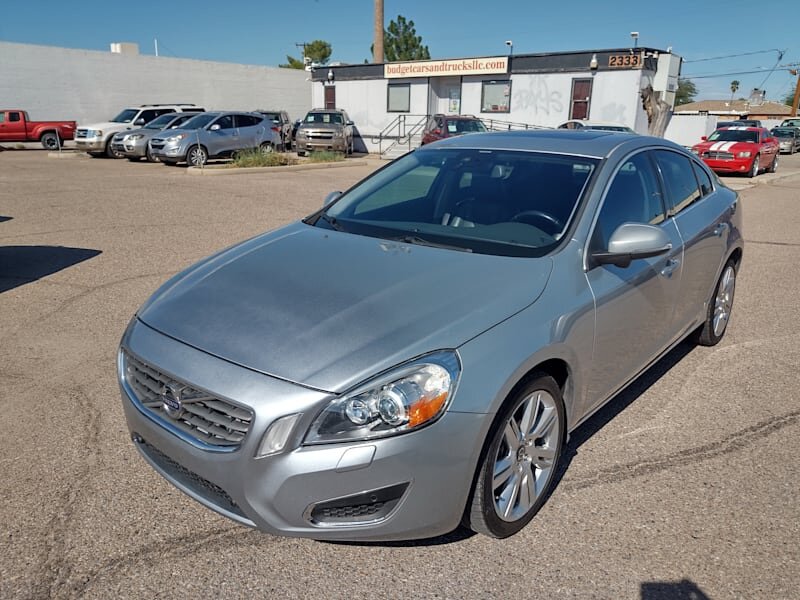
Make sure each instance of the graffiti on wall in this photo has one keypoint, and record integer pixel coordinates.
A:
(536, 97)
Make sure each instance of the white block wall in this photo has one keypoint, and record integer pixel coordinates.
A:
(90, 86)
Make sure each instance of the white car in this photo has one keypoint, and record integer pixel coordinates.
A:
(600, 125)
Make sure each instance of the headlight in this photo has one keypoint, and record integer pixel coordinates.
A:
(745, 154)
(406, 398)
(338, 134)
(96, 133)
(135, 136)
(177, 138)
(301, 133)
(695, 151)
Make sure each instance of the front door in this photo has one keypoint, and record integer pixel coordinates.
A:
(581, 98)
(445, 95)
(330, 96)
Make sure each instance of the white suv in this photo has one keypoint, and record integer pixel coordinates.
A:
(96, 138)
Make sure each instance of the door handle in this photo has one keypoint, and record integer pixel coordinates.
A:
(671, 265)
(720, 229)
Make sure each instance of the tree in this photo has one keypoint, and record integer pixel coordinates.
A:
(734, 88)
(401, 42)
(318, 52)
(686, 92)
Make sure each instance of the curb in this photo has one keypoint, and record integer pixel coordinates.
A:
(66, 154)
(762, 179)
(247, 170)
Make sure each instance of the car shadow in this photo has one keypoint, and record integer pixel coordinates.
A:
(4, 219)
(25, 264)
(672, 590)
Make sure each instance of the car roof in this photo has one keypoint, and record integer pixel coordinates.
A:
(581, 142)
(457, 117)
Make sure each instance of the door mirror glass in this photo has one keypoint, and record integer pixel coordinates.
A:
(214, 127)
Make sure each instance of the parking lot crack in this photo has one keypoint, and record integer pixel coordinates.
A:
(734, 442)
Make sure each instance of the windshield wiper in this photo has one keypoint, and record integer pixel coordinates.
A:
(415, 239)
(330, 221)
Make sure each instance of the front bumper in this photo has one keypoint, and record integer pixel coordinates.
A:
(135, 148)
(310, 144)
(90, 144)
(787, 146)
(429, 471)
(169, 151)
(734, 165)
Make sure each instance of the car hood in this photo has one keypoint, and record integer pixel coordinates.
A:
(732, 147)
(107, 125)
(328, 309)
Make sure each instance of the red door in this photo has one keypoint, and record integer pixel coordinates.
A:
(12, 126)
(581, 96)
(330, 96)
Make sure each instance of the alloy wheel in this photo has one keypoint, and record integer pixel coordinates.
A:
(723, 302)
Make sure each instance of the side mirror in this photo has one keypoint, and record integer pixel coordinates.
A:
(139, 121)
(349, 123)
(214, 127)
(330, 198)
(703, 138)
(632, 241)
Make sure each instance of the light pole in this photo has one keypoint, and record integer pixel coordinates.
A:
(635, 38)
(510, 44)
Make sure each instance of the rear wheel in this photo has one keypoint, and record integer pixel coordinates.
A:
(266, 148)
(196, 156)
(517, 469)
(110, 152)
(50, 140)
(754, 168)
(719, 308)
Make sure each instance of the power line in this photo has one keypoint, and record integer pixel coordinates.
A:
(781, 52)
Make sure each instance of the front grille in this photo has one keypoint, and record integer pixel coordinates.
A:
(195, 412)
(320, 136)
(211, 492)
(719, 155)
(81, 133)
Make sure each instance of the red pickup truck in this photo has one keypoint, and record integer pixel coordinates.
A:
(16, 127)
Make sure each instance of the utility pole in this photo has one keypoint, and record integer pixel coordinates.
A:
(796, 99)
(377, 44)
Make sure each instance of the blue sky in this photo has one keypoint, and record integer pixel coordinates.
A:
(264, 32)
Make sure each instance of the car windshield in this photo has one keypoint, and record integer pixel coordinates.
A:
(126, 116)
(199, 121)
(791, 123)
(501, 202)
(160, 122)
(733, 135)
(465, 126)
(320, 117)
(610, 128)
(784, 133)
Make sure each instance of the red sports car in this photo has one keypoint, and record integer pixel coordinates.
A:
(739, 150)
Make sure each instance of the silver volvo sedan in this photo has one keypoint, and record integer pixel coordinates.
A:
(412, 356)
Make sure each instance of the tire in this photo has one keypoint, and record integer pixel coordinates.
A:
(134, 158)
(774, 166)
(266, 148)
(301, 153)
(719, 308)
(50, 140)
(519, 464)
(754, 168)
(110, 152)
(349, 151)
(149, 156)
(196, 156)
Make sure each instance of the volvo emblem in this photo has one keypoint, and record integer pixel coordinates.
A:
(171, 400)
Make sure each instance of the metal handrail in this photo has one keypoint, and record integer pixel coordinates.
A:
(498, 125)
(400, 131)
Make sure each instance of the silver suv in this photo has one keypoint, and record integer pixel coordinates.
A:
(133, 145)
(325, 129)
(214, 135)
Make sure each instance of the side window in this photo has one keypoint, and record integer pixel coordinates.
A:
(705, 181)
(2, 117)
(13, 117)
(147, 115)
(225, 122)
(679, 179)
(245, 120)
(633, 196)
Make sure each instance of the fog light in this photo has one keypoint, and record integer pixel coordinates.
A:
(276, 436)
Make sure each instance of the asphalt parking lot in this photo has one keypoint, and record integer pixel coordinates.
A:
(685, 486)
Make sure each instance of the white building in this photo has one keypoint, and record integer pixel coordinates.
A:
(389, 100)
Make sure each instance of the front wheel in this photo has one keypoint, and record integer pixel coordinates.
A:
(754, 168)
(518, 467)
(196, 156)
(719, 308)
(148, 155)
(110, 152)
(50, 141)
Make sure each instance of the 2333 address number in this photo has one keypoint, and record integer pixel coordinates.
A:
(624, 60)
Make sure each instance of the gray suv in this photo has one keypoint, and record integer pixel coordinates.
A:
(133, 145)
(325, 129)
(214, 135)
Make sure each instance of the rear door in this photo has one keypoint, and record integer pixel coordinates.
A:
(701, 214)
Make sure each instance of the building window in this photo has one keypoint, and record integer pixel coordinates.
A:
(496, 97)
(398, 98)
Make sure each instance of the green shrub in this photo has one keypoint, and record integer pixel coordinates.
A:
(325, 156)
(257, 158)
